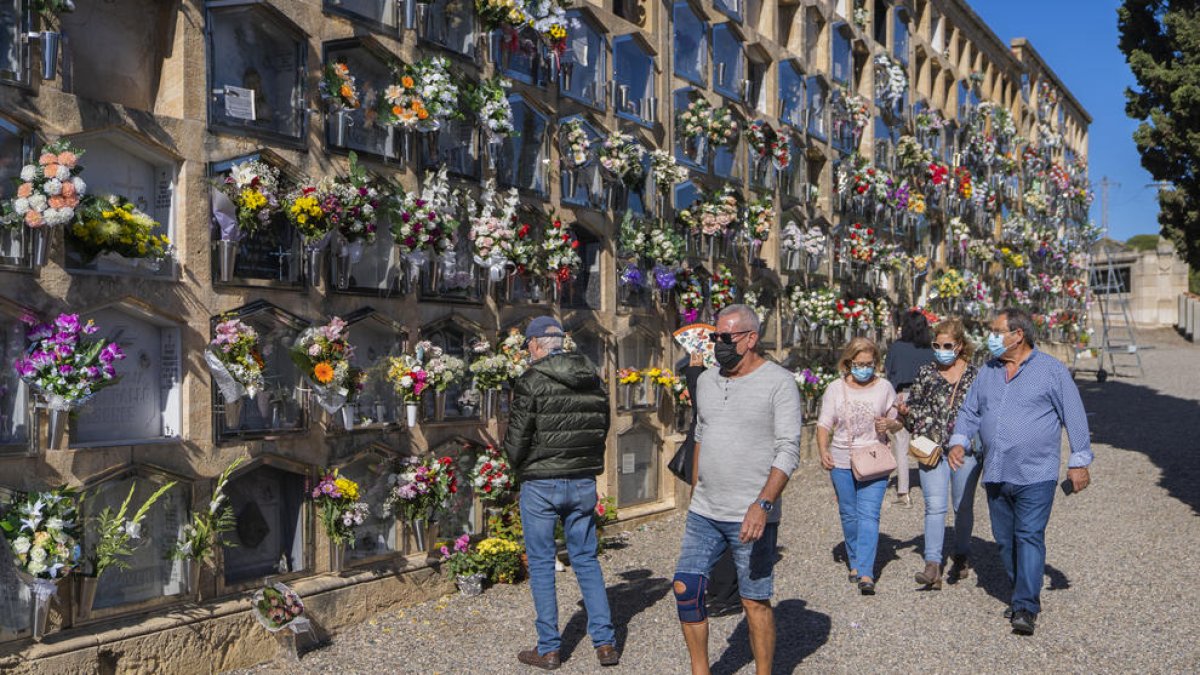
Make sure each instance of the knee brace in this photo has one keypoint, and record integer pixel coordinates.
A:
(690, 590)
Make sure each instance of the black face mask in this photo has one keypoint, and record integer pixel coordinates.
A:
(727, 355)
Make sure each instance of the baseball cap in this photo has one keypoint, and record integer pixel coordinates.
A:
(542, 326)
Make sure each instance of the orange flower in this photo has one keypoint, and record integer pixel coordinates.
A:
(68, 189)
(67, 159)
(50, 170)
(421, 114)
(323, 372)
(34, 219)
(57, 202)
(346, 91)
(396, 110)
(47, 158)
(26, 189)
(406, 82)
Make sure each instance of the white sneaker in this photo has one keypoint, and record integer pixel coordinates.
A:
(558, 566)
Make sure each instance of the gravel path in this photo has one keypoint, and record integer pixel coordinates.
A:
(1121, 594)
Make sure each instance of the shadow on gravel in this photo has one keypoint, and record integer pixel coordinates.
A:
(991, 577)
(1164, 428)
(637, 592)
(888, 551)
(799, 632)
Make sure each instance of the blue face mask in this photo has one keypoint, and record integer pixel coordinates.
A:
(995, 344)
(862, 374)
(945, 356)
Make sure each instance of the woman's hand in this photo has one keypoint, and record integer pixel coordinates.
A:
(902, 408)
(885, 424)
(826, 459)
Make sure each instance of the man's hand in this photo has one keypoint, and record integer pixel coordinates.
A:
(1079, 477)
(885, 425)
(956, 457)
(826, 460)
(753, 524)
(902, 408)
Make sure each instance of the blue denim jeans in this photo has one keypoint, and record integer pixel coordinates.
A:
(1019, 516)
(960, 483)
(705, 541)
(858, 505)
(573, 500)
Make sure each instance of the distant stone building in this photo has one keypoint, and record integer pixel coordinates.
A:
(1152, 280)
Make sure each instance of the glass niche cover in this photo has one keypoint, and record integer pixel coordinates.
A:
(15, 150)
(279, 406)
(268, 503)
(256, 72)
(151, 573)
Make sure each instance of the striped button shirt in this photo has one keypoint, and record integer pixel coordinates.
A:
(1021, 420)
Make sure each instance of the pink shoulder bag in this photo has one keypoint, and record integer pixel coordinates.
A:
(872, 461)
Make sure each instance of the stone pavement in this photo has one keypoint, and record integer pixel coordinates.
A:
(1120, 595)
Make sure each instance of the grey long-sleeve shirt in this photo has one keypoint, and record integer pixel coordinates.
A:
(745, 427)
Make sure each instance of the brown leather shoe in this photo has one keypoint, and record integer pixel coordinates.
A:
(608, 655)
(960, 568)
(547, 661)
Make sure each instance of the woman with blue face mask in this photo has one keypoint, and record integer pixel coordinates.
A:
(930, 411)
(857, 411)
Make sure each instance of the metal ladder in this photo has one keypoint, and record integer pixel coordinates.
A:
(1118, 337)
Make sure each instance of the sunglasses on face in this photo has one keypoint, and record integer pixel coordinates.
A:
(944, 345)
(727, 338)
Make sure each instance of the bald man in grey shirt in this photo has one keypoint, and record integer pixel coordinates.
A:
(747, 446)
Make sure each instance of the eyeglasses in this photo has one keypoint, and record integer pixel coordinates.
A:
(943, 345)
(854, 364)
(727, 338)
(1001, 333)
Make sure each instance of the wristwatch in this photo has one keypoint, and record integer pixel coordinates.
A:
(765, 505)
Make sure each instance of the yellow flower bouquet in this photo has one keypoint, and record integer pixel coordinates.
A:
(112, 224)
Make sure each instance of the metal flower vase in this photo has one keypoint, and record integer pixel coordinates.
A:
(41, 246)
(419, 528)
(340, 268)
(341, 126)
(233, 413)
(313, 255)
(337, 556)
(41, 594)
(491, 403)
(86, 596)
(227, 251)
(51, 45)
(191, 573)
(348, 412)
(56, 428)
(439, 405)
(470, 585)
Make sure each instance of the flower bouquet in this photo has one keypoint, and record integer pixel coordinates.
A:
(492, 476)
(360, 199)
(341, 512)
(235, 358)
(315, 210)
(337, 87)
(620, 157)
(64, 368)
(408, 376)
(277, 607)
(691, 298)
(722, 128)
(891, 81)
(949, 285)
(424, 225)
(399, 105)
(442, 370)
(712, 215)
(664, 246)
(575, 145)
(48, 194)
(42, 530)
(198, 544)
(861, 244)
(502, 558)
(489, 369)
(467, 566)
(323, 355)
(559, 257)
(488, 101)
(760, 216)
(667, 173)
(493, 234)
(692, 124)
(242, 204)
(418, 490)
(113, 226)
(434, 86)
(722, 291)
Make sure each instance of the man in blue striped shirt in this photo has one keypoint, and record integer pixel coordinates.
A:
(1019, 404)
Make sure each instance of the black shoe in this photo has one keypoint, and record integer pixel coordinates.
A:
(1023, 622)
(1008, 613)
(716, 611)
(866, 587)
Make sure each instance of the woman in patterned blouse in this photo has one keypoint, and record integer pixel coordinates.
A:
(930, 410)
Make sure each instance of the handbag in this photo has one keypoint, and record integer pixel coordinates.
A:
(681, 463)
(872, 461)
(925, 450)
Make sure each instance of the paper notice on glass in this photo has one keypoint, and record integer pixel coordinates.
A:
(239, 103)
(628, 462)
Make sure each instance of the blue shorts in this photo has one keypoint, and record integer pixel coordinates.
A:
(705, 540)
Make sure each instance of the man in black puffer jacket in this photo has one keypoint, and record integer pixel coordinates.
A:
(555, 440)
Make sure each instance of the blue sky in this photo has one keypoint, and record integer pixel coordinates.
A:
(1078, 39)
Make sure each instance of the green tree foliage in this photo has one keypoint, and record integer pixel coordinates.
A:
(1143, 242)
(1161, 42)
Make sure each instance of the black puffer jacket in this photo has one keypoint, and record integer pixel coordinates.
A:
(559, 419)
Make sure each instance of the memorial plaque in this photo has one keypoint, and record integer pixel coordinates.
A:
(270, 254)
(457, 148)
(151, 574)
(377, 536)
(585, 286)
(138, 406)
(277, 497)
(520, 161)
(12, 52)
(639, 484)
(252, 53)
(522, 58)
(277, 405)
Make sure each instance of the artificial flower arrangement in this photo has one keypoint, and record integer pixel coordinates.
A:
(910, 153)
(760, 216)
(929, 120)
(513, 349)
(488, 101)
(493, 14)
(424, 224)
(722, 128)
(576, 145)
(399, 105)
(812, 241)
(666, 172)
(766, 142)
(891, 81)
(751, 299)
(629, 376)
(112, 224)
(897, 194)
(664, 246)
(691, 299)
(722, 292)
(1012, 258)
(253, 190)
(323, 354)
(916, 203)
(360, 200)
(712, 214)
(549, 19)
(203, 534)
(489, 369)
(234, 356)
(420, 487)
(937, 173)
(502, 559)
(1036, 203)
(620, 157)
(813, 381)
(855, 313)
(341, 511)
(62, 365)
(631, 236)
(115, 532)
(442, 369)
(694, 120)
(408, 377)
(949, 285)
(315, 210)
(43, 530)
(435, 86)
(861, 244)
(337, 87)
(963, 182)
(814, 306)
(492, 476)
(50, 192)
(276, 606)
(493, 233)
(559, 257)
